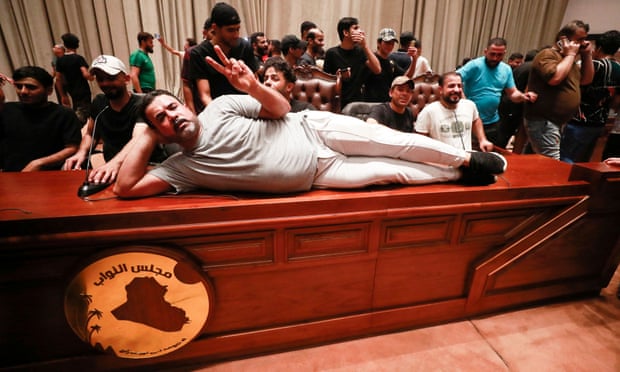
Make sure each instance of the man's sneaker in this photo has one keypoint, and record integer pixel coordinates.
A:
(470, 177)
(487, 162)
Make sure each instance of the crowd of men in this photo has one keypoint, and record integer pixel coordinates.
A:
(557, 100)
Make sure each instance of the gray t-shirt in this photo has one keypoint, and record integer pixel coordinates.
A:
(237, 151)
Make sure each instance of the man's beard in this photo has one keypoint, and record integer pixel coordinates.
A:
(491, 64)
(112, 94)
(317, 50)
(149, 49)
(449, 98)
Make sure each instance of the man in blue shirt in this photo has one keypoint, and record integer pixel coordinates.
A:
(484, 79)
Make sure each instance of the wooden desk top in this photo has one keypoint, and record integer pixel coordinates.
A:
(50, 199)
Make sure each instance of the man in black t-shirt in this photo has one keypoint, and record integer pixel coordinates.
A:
(377, 86)
(396, 114)
(350, 59)
(208, 83)
(72, 78)
(117, 120)
(35, 134)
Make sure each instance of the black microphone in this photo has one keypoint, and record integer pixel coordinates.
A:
(90, 188)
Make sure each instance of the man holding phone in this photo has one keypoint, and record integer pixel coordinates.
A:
(349, 58)
(556, 77)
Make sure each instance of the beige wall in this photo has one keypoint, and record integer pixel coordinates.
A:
(602, 15)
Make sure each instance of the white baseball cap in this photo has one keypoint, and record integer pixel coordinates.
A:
(109, 64)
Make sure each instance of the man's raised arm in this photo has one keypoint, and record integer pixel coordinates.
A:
(273, 104)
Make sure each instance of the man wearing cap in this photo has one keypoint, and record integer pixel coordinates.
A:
(378, 85)
(293, 49)
(452, 119)
(252, 143)
(35, 134)
(350, 58)
(396, 114)
(209, 84)
(118, 120)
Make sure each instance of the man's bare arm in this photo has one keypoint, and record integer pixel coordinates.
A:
(133, 181)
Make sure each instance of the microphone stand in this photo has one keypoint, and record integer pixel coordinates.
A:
(90, 188)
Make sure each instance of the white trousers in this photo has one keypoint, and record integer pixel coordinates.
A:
(352, 153)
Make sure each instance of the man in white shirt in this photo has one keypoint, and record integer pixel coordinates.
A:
(452, 119)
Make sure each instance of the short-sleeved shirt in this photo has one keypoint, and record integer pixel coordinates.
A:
(377, 86)
(142, 60)
(337, 58)
(485, 85)
(70, 66)
(556, 103)
(28, 133)
(237, 151)
(115, 128)
(453, 127)
(384, 114)
(596, 97)
(306, 59)
(199, 69)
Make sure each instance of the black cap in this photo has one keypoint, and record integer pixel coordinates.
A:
(292, 41)
(224, 15)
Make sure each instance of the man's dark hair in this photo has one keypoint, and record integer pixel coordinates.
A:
(609, 42)
(276, 45)
(144, 36)
(70, 41)
(515, 55)
(254, 37)
(305, 26)
(281, 65)
(312, 33)
(191, 41)
(345, 24)
(499, 41)
(405, 39)
(571, 28)
(529, 56)
(207, 25)
(148, 99)
(443, 77)
(35, 72)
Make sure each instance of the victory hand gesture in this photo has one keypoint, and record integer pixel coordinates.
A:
(237, 72)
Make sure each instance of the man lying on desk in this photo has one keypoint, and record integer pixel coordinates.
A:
(252, 143)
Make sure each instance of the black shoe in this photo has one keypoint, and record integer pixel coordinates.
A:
(470, 177)
(487, 162)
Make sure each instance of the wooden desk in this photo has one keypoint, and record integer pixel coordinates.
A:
(288, 271)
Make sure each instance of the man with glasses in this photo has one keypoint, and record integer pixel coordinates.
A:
(484, 79)
(452, 119)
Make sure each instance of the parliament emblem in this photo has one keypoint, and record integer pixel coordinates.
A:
(139, 303)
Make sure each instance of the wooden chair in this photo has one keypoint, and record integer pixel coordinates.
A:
(317, 87)
(423, 94)
(360, 110)
(426, 78)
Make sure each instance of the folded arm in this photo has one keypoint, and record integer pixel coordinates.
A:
(133, 181)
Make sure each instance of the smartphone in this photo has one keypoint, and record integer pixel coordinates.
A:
(559, 44)
(156, 36)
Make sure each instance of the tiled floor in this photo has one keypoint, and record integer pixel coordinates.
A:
(571, 336)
